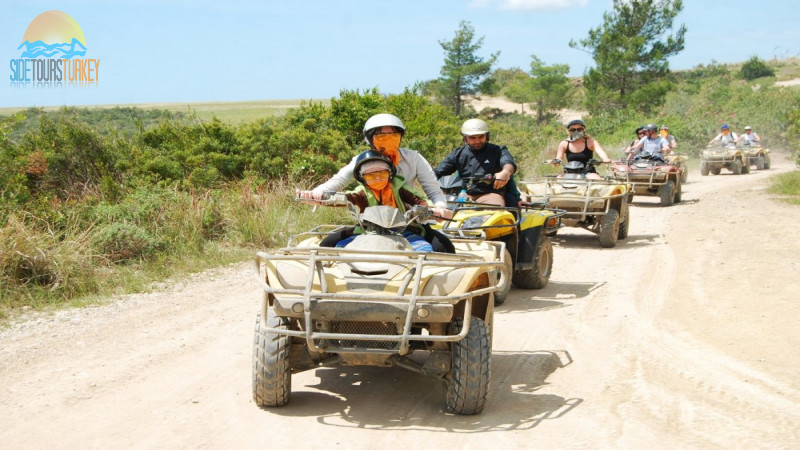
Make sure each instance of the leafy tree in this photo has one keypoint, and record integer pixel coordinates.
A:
(630, 50)
(755, 68)
(463, 69)
(547, 89)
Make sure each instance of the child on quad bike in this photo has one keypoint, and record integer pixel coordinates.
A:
(380, 185)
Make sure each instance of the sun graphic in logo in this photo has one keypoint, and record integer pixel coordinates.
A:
(53, 34)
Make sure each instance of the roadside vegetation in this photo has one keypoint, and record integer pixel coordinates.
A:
(98, 201)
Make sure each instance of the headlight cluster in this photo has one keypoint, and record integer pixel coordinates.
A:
(475, 221)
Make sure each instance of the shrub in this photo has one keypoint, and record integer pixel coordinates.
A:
(123, 241)
(755, 68)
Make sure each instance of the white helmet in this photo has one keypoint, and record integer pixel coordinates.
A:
(381, 120)
(474, 127)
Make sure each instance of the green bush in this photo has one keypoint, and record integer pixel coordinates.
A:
(122, 241)
(755, 68)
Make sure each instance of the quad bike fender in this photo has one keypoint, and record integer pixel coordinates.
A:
(528, 246)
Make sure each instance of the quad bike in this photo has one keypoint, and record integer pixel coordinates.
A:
(599, 206)
(524, 230)
(650, 177)
(718, 156)
(756, 155)
(374, 302)
(680, 160)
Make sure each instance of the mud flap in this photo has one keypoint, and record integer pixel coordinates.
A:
(528, 243)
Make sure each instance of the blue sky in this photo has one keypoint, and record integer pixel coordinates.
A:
(197, 51)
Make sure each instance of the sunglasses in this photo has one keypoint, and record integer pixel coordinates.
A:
(575, 129)
(376, 176)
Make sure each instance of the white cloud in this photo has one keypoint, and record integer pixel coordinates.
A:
(529, 5)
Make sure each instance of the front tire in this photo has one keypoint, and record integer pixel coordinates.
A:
(272, 376)
(624, 224)
(704, 168)
(667, 193)
(609, 229)
(468, 380)
(539, 275)
(760, 163)
(736, 167)
(500, 296)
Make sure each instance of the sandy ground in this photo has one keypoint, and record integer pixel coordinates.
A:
(792, 82)
(685, 335)
(506, 105)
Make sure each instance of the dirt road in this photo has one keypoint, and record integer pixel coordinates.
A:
(683, 336)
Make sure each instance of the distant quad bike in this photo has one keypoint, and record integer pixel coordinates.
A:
(718, 156)
(374, 302)
(756, 155)
(650, 177)
(529, 252)
(599, 206)
(680, 160)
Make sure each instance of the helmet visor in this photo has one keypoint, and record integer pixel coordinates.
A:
(380, 175)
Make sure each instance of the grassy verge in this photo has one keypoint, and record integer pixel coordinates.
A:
(787, 185)
(76, 261)
(230, 112)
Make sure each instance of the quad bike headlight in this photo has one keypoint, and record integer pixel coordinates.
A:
(475, 221)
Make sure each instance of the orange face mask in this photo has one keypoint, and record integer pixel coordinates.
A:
(389, 145)
(726, 132)
(664, 133)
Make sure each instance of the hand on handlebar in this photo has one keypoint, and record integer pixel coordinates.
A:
(308, 195)
(321, 198)
(554, 161)
(501, 180)
(443, 213)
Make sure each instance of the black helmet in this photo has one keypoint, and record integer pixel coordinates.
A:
(368, 156)
(650, 127)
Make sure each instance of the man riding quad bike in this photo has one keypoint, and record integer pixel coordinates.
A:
(524, 229)
(651, 175)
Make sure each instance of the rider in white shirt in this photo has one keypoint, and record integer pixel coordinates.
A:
(749, 137)
(652, 146)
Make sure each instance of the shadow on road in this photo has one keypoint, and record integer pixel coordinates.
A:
(396, 399)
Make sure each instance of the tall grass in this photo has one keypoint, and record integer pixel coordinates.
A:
(787, 185)
(153, 235)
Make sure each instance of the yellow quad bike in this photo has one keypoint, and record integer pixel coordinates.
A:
(375, 302)
(600, 206)
(529, 252)
(718, 156)
(756, 155)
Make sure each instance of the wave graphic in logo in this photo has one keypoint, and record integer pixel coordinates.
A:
(39, 49)
(53, 53)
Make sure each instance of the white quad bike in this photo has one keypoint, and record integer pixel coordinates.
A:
(374, 302)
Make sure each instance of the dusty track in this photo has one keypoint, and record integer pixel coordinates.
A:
(683, 336)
